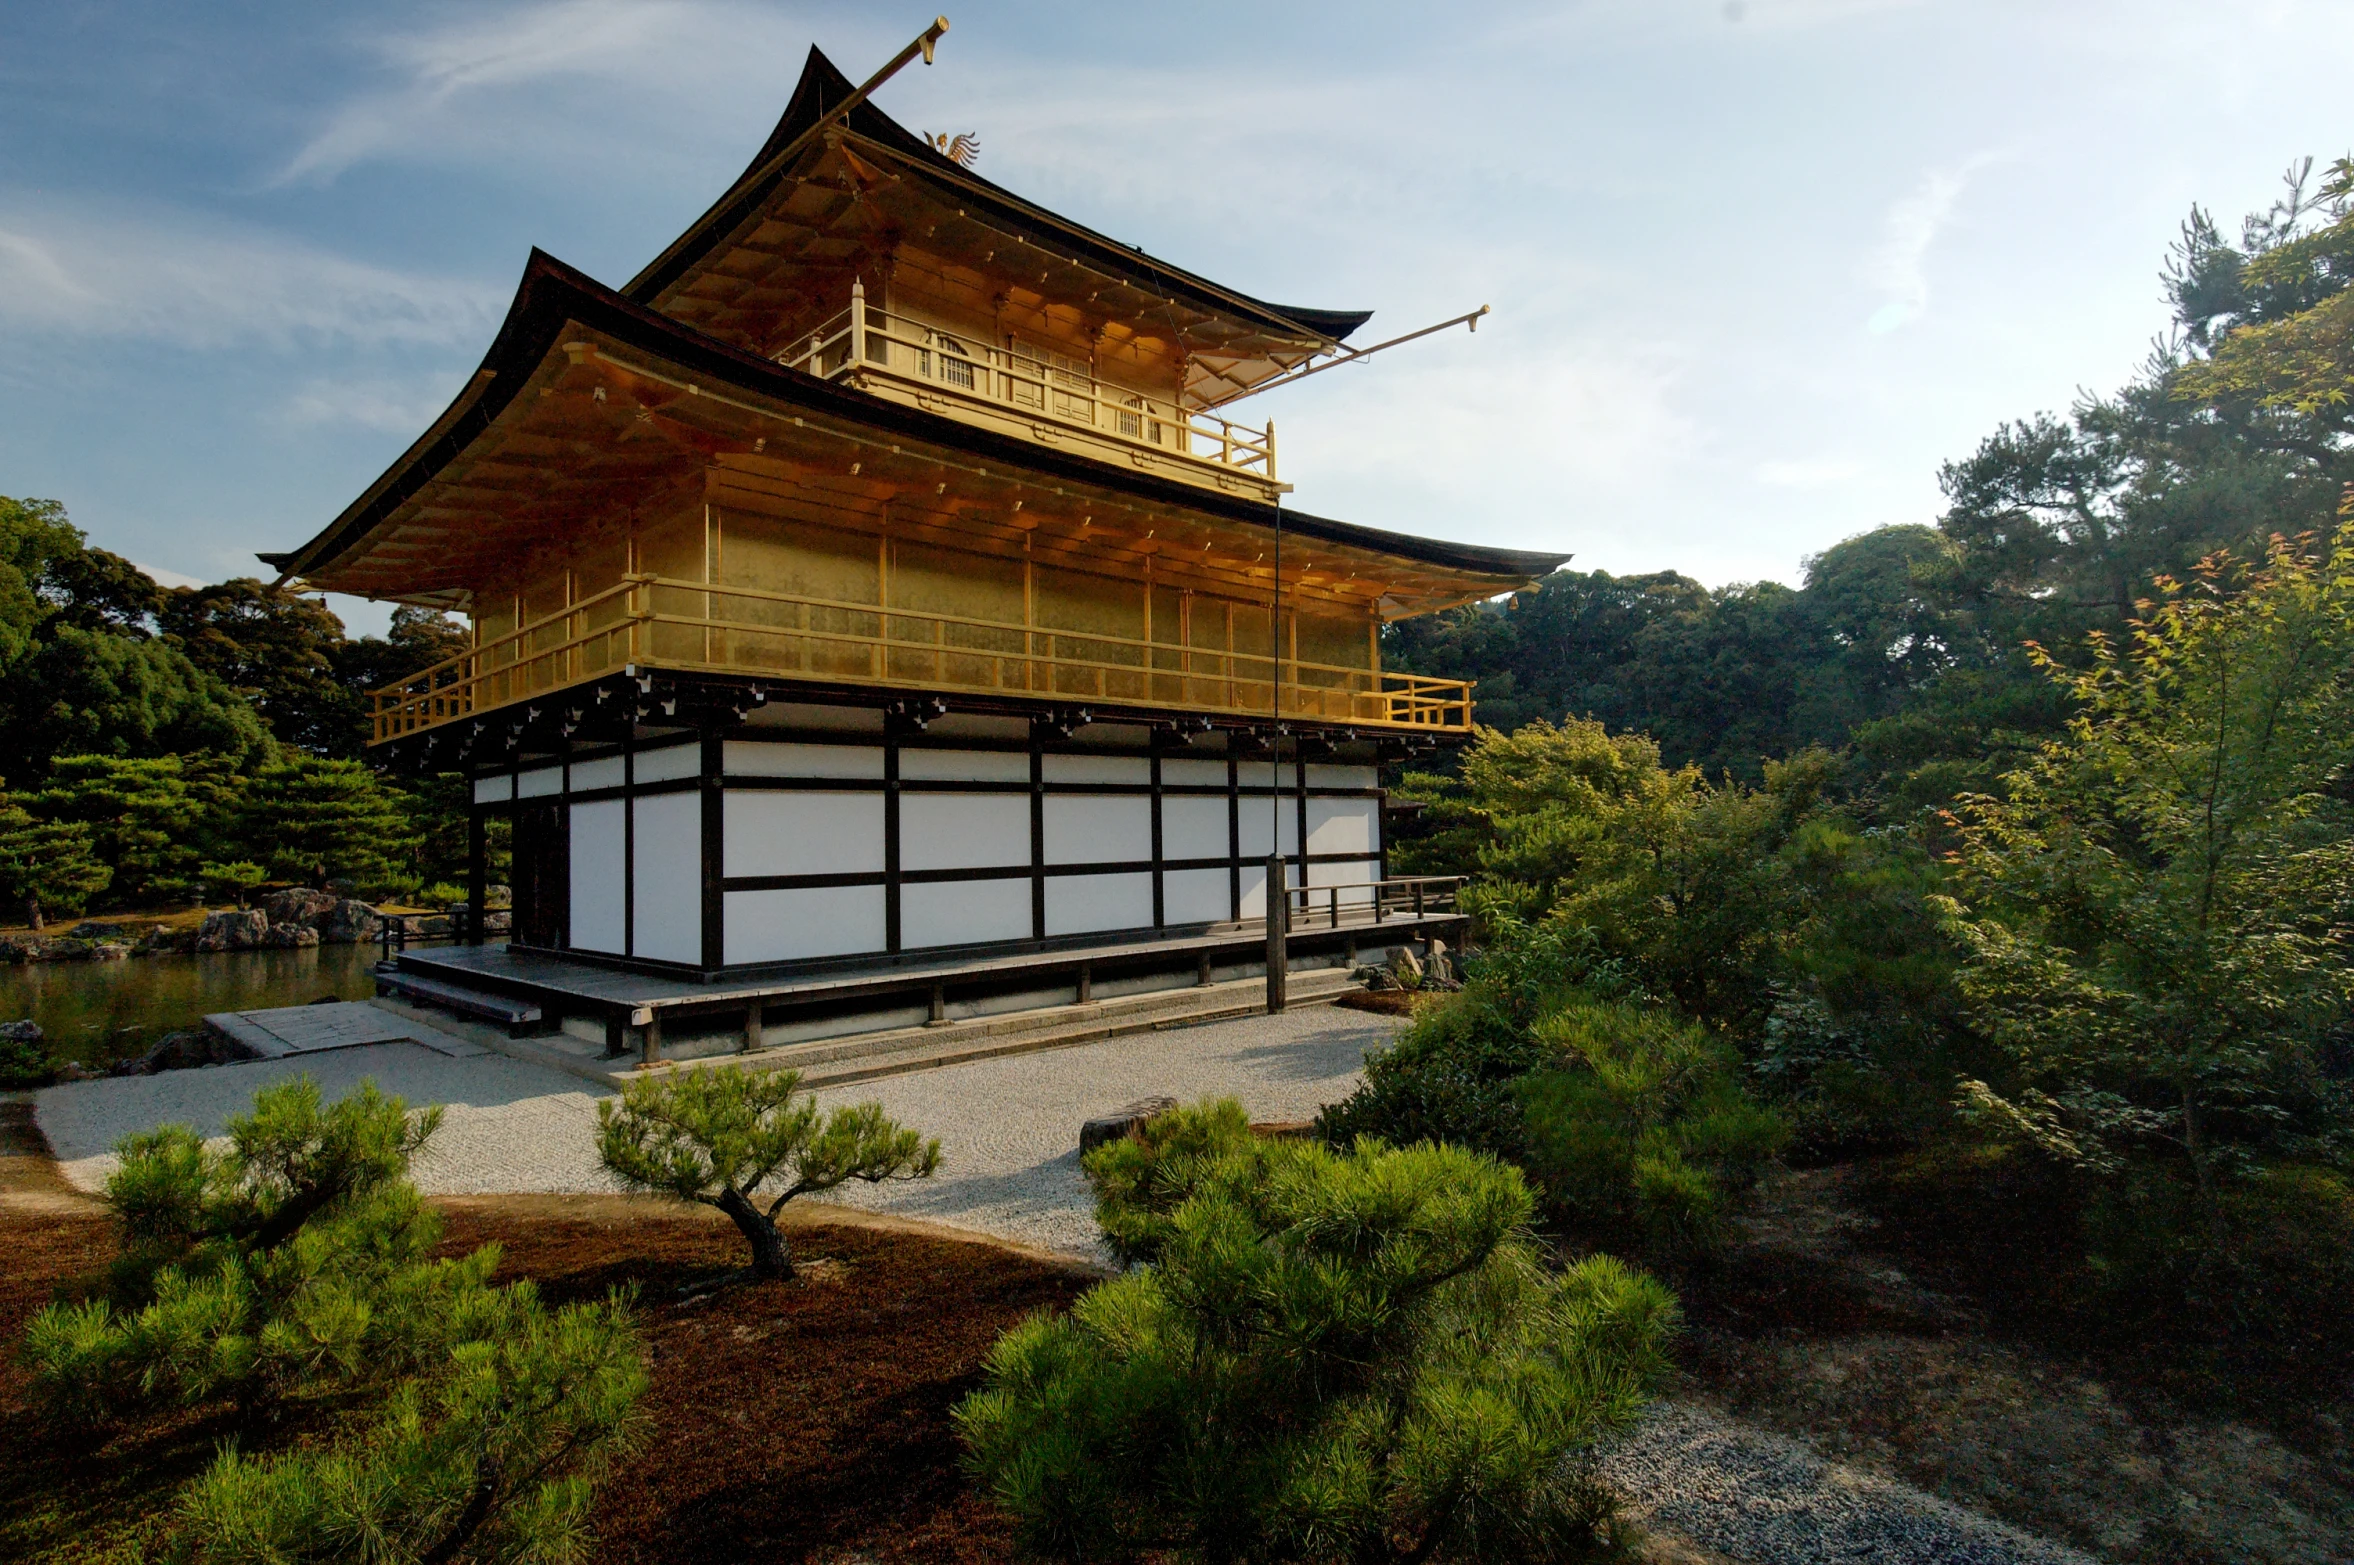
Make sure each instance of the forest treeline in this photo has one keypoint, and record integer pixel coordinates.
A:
(2020, 846)
(167, 745)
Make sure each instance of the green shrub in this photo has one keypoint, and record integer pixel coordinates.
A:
(1640, 1128)
(494, 1458)
(724, 1136)
(298, 1263)
(1333, 1356)
(25, 1064)
(1448, 1078)
(1140, 1181)
(2269, 1272)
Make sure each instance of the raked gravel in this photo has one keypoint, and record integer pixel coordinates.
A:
(1762, 1497)
(1008, 1127)
(1009, 1130)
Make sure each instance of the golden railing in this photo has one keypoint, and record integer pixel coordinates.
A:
(656, 622)
(865, 337)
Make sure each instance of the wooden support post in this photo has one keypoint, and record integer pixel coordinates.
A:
(1351, 963)
(1204, 978)
(857, 322)
(1278, 948)
(616, 1037)
(939, 1016)
(650, 1040)
(477, 872)
(1086, 983)
(755, 1019)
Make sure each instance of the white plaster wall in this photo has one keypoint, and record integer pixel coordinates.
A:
(1254, 889)
(997, 766)
(800, 833)
(781, 926)
(964, 830)
(603, 772)
(1254, 826)
(1193, 826)
(1098, 828)
(1177, 772)
(493, 790)
(1078, 904)
(671, 761)
(1255, 774)
(1342, 776)
(669, 845)
(1097, 768)
(1343, 825)
(749, 759)
(539, 782)
(600, 845)
(1361, 875)
(959, 912)
(1194, 896)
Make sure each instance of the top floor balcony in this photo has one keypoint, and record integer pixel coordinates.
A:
(1034, 396)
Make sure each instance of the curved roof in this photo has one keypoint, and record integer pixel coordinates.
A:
(555, 300)
(822, 86)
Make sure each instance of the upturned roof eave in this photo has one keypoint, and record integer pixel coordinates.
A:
(554, 296)
(821, 84)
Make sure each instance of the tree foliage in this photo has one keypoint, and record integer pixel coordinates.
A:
(1332, 1356)
(2156, 911)
(730, 1136)
(296, 1267)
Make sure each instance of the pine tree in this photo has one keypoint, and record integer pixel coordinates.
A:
(1329, 1356)
(726, 1136)
(47, 866)
(312, 819)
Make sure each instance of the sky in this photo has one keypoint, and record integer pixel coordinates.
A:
(1757, 267)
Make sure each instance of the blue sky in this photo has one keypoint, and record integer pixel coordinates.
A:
(1757, 266)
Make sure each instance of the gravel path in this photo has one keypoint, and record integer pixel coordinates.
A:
(1762, 1497)
(1010, 1166)
(1008, 1128)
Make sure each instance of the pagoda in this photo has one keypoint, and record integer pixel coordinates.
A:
(874, 618)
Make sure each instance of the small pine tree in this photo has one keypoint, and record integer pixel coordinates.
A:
(298, 1262)
(723, 1136)
(311, 819)
(1334, 1356)
(48, 866)
(232, 880)
(494, 1459)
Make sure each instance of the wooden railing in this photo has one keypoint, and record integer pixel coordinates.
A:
(656, 622)
(1377, 901)
(865, 337)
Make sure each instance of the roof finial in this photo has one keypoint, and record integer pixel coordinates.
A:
(964, 151)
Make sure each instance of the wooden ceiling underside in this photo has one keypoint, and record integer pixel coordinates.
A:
(850, 202)
(602, 433)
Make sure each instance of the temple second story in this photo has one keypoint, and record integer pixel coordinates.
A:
(851, 249)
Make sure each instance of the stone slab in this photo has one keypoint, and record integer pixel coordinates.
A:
(309, 1029)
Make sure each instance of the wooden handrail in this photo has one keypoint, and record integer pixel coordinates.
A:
(508, 669)
(848, 340)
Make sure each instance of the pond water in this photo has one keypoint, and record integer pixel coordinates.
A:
(98, 1012)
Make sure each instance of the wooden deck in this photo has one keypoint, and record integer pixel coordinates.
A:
(635, 1008)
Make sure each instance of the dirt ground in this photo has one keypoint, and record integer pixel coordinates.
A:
(802, 1422)
(1824, 1323)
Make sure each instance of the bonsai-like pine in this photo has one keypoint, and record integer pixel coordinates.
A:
(295, 1267)
(1328, 1356)
(47, 866)
(728, 1135)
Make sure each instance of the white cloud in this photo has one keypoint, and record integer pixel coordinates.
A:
(1898, 267)
(167, 578)
(396, 406)
(1818, 474)
(567, 38)
(197, 284)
